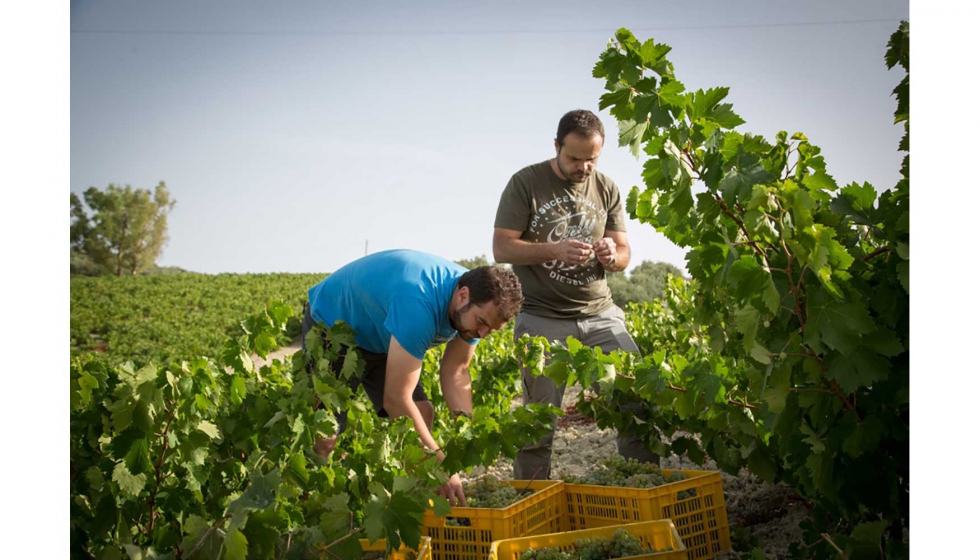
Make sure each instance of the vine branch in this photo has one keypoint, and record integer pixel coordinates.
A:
(877, 252)
(163, 453)
(741, 226)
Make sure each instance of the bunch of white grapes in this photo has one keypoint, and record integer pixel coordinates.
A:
(490, 492)
(622, 544)
(630, 473)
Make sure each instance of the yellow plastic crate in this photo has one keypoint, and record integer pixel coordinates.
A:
(424, 552)
(701, 521)
(658, 535)
(536, 514)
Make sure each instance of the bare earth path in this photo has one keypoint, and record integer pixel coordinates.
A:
(278, 354)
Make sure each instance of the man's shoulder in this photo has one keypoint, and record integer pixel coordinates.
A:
(603, 180)
(409, 259)
(532, 173)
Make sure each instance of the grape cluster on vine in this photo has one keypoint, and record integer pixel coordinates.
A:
(622, 544)
(630, 473)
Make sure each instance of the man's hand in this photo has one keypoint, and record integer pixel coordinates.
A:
(573, 251)
(605, 251)
(452, 490)
(324, 446)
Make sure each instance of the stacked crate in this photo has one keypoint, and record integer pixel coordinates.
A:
(539, 513)
(695, 505)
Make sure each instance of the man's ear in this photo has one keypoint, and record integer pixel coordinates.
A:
(463, 295)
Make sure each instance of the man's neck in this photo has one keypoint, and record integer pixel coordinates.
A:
(557, 171)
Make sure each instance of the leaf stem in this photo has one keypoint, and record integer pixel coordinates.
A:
(827, 538)
(730, 401)
(207, 534)
(351, 533)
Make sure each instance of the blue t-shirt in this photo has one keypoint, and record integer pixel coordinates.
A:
(398, 293)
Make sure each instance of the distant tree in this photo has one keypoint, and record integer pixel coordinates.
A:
(120, 229)
(474, 262)
(83, 266)
(644, 283)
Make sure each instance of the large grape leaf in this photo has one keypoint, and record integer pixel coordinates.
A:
(839, 325)
(858, 203)
(129, 484)
(198, 542)
(235, 546)
(860, 368)
(745, 172)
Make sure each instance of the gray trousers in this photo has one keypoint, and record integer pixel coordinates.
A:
(606, 330)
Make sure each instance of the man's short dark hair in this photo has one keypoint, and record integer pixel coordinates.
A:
(496, 284)
(582, 122)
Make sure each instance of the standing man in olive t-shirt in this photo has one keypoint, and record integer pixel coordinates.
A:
(560, 224)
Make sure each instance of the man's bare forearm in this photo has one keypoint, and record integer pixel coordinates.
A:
(397, 408)
(518, 251)
(457, 389)
(623, 255)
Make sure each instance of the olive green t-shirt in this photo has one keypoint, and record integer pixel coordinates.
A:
(546, 209)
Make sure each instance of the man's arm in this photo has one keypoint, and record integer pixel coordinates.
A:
(613, 251)
(454, 376)
(508, 247)
(401, 376)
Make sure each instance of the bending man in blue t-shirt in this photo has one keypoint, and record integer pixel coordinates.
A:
(401, 303)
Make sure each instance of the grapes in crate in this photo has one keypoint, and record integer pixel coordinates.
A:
(488, 492)
(630, 473)
(622, 544)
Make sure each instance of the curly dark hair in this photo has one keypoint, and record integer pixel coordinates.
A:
(493, 283)
(581, 121)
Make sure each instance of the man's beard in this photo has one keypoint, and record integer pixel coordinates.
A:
(456, 318)
(568, 175)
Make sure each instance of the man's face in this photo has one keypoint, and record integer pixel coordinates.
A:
(476, 321)
(578, 156)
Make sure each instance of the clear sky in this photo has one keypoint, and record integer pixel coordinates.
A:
(292, 133)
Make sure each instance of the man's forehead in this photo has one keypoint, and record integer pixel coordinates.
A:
(576, 144)
(489, 312)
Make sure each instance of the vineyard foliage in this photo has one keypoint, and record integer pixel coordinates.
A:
(165, 318)
(788, 352)
(213, 458)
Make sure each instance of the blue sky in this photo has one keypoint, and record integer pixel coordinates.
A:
(291, 134)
